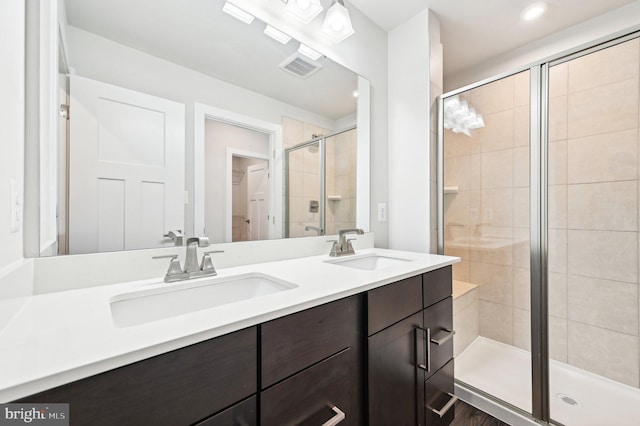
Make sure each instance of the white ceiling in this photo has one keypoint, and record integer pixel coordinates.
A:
(473, 31)
(189, 33)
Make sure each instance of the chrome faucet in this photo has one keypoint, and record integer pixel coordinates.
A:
(343, 246)
(319, 230)
(192, 269)
(176, 235)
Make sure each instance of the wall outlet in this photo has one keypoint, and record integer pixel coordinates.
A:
(382, 212)
(16, 206)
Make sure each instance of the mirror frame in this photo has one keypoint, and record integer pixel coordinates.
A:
(45, 40)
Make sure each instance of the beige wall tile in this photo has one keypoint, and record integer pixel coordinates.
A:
(462, 301)
(604, 254)
(521, 210)
(604, 352)
(456, 144)
(493, 97)
(522, 88)
(292, 131)
(558, 118)
(497, 133)
(521, 119)
(557, 250)
(557, 206)
(604, 109)
(495, 282)
(610, 206)
(522, 289)
(496, 321)
(607, 157)
(494, 256)
(466, 324)
(558, 295)
(616, 63)
(606, 304)
(456, 172)
(456, 213)
(521, 248)
(521, 167)
(558, 345)
(558, 163)
(475, 171)
(522, 329)
(558, 84)
(497, 207)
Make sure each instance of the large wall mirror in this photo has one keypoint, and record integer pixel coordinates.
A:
(166, 119)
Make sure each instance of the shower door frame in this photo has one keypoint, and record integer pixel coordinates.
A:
(322, 142)
(538, 187)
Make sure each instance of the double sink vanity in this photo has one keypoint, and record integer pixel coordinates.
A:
(318, 340)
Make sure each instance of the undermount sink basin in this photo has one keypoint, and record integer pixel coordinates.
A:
(371, 262)
(181, 298)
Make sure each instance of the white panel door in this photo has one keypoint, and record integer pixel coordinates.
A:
(258, 201)
(126, 168)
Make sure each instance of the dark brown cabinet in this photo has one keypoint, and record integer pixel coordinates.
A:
(312, 366)
(241, 414)
(406, 360)
(176, 388)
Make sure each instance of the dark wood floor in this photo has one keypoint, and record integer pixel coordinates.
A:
(467, 415)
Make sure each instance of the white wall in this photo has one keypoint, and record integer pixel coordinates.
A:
(409, 133)
(218, 137)
(12, 39)
(365, 53)
(104, 60)
(619, 20)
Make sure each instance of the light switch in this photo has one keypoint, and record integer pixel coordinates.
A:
(16, 206)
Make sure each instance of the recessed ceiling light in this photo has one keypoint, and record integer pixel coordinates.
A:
(237, 13)
(309, 52)
(534, 11)
(277, 34)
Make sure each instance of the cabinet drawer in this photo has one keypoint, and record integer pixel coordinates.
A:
(437, 285)
(438, 319)
(393, 302)
(439, 399)
(308, 397)
(177, 388)
(297, 341)
(241, 414)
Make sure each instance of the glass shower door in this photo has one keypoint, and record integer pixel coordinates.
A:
(486, 223)
(304, 190)
(340, 181)
(593, 236)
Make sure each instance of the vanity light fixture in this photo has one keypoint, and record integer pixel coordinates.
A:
(237, 13)
(337, 23)
(309, 52)
(277, 34)
(304, 10)
(534, 11)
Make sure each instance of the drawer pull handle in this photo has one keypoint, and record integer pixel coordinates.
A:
(340, 416)
(446, 407)
(426, 365)
(442, 336)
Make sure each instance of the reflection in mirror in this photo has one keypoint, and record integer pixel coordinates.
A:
(178, 121)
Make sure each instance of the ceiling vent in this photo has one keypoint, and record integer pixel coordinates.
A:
(300, 65)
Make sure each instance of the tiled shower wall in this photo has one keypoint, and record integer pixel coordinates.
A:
(593, 195)
(593, 211)
(487, 220)
(341, 181)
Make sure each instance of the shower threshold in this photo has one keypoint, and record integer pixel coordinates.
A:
(578, 397)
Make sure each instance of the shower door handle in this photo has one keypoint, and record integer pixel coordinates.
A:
(423, 337)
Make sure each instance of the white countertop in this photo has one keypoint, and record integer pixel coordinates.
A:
(61, 337)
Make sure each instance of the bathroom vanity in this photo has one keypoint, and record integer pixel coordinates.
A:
(377, 350)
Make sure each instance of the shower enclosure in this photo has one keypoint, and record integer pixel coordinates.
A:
(320, 185)
(539, 190)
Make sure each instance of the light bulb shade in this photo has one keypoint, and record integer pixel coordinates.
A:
(304, 10)
(337, 23)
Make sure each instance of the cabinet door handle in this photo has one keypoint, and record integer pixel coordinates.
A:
(426, 337)
(339, 416)
(442, 336)
(446, 407)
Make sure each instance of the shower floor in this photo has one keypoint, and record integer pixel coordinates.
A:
(504, 372)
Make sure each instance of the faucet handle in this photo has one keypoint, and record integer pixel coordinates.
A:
(174, 264)
(207, 264)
